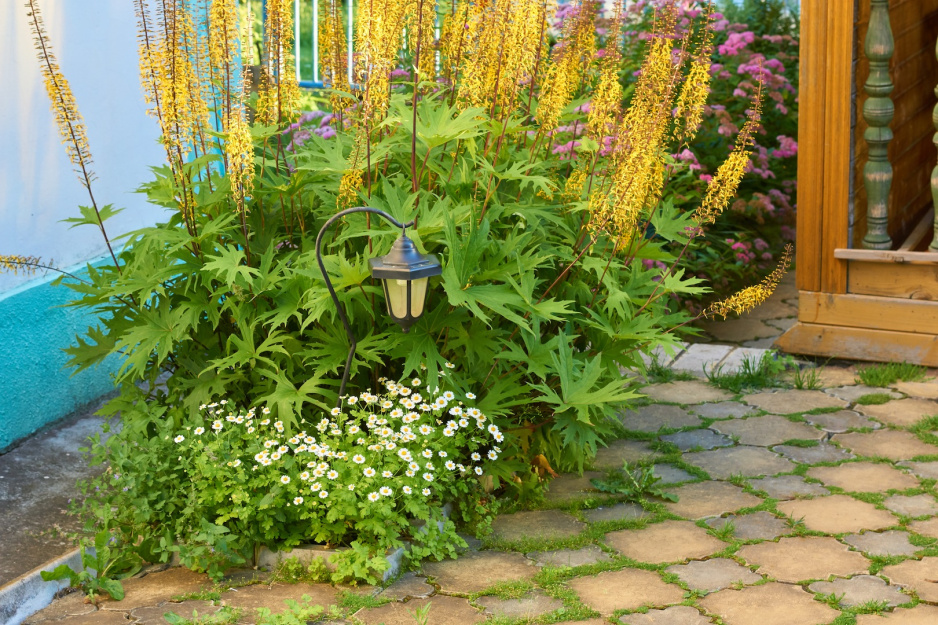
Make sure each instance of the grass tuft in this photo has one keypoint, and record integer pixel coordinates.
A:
(890, 373)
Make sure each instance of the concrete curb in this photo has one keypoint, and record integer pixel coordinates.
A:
(29, 593)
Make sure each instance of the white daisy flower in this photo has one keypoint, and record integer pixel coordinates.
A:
(455, 411)
(332, 474)
(275, 456)
(407, 490)
(369, 472)
(425, 429)
(478, 470)
(304, 475)
(265, 410)
(373, 496)
(236, 463)
(284, 479)
(441, 454)
(426, 492)
(387, 403)
(387, 474)
(499, 438)
(426, 453)
(266, 421)
(448, 396)
(470, 396)
(410, 473)
(473, 412)
(316, 486)
(251, 430)
(217, 426)
(428, 477)
(475, 456)
(351, 487)
(199, 431)
(463, 423)
(413, 466)
(323, 494)
(297, 501)
(358, 459)
(450, 465)
(415, 382)
(493, 429)
(352, 400)
(492, 455)
(179, 439)
(449, 365)
(385, 491)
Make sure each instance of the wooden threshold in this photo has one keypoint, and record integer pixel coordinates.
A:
(829, 341)
(869, 312)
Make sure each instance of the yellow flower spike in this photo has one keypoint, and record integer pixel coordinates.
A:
(750, 297)
(696, 87)
(723, 186)
(279, 95)
(569, 61)
(15, 263)
(64, 110)
(239, 154)
(607, 96)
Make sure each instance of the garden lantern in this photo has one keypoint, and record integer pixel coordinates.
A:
(404, 273)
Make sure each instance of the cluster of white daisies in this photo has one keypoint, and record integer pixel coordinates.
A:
(414, 436)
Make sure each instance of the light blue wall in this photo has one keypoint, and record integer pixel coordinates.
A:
(95, 43)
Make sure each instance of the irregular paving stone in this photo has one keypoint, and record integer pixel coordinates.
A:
(925, 528)
(864, 477)
(699, 358)
(675, 615)
(685, 392)
(570, 557)
(273, 597)
(712, 575)
(670, 541)
(813, 455)
(841, 421)
(927, 470)
(706, 499)
(697, 439)
(837, 514)
(901, 412)
(543, 524)
(793, 401)
(919, 615)
(856, 391)
(760, 525)
(919, 575)
(409, 585)
(769, 604)
(804, 557)
(618, 512)
(742, 460)
(531, 605)
(627, 589)
(101, 617)
(917, 505)
(156, 587)
(782, 324)
(891, 543)
(739, 330)
(830, 377)
(570, 487)
(153, 615)
(767, 343)
(443, 611)
(476, 571)
(656, 416)
(72, 604)
(891, 444)
(723, 410)
(926, 390)
(617, 452)
(592, 621)
(670, 474)
(861, 589)
(788, 487)
(767, 431)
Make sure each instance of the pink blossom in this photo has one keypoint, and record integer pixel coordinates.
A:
(760, 244)
(706, 177)
(767, 256)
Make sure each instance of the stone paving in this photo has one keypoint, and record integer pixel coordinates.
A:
(794, 508)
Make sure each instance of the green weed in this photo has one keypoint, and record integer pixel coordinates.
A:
(890, 373)
(752, 374)
(807, 379)
(873, 399)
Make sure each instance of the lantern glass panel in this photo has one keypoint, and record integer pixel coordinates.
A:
(418, 295)
(396, 295)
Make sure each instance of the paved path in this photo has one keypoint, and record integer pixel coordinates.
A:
(796, 507)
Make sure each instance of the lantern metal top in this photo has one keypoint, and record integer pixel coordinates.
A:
(404, 262)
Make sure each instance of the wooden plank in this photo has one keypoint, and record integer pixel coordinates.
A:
(837, 131)
(865, 311)
(860, 344)
(812, 97)
(921, 230)
(888, 257)
(887, 280)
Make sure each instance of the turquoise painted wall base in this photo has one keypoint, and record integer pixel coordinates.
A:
(35, 387)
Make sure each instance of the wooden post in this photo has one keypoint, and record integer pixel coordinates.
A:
(934, 174)
(878, 111)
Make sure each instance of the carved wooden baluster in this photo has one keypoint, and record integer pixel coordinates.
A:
(878, 111)
(934, 173)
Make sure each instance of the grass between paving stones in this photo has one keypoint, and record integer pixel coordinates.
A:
(890, 373)
(657, 373)
(225, 616)
(873, 399)
(752, 374)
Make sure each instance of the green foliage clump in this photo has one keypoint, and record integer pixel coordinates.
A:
(885, 374)
(635, 485)
(752, 373)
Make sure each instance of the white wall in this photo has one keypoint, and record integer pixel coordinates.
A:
(95, 44)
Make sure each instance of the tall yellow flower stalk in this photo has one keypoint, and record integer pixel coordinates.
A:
(496, 50)
(637, 170)
(224, 47)
(279, 94)
(67, 117)
(378, 41)
(693, 97)
(748, 298)
(420, 26)
(333, 53)
(723, 186)
(605, 106)
(568, 63)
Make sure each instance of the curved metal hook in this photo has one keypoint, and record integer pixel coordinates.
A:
(353, 344)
